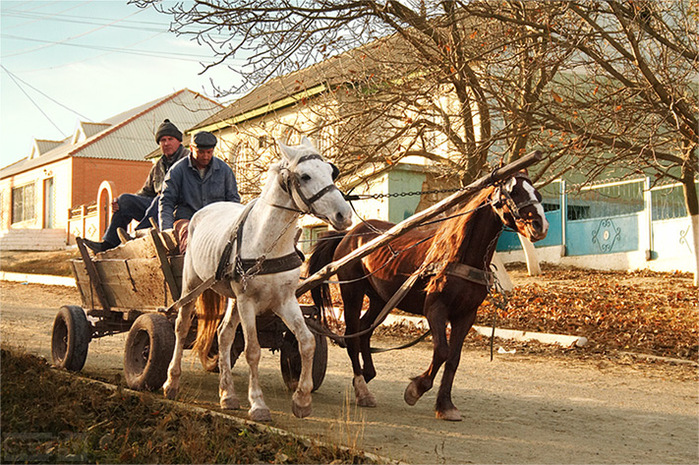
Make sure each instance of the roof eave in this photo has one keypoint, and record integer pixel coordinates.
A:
(263, 110)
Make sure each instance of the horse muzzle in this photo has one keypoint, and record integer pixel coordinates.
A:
(341, 220)
(537, 229)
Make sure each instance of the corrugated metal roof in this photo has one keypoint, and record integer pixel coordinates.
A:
(131, 134)
(44, 145)
(90, 129)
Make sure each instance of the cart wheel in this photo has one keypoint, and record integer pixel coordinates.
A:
(210, 361)
(291, 361)
(149, 348)
(70, 338)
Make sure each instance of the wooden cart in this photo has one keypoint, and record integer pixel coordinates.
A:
(129, 288)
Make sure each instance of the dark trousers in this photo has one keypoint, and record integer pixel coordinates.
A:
(131, 207)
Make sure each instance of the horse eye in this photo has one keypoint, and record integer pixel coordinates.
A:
(305, 178)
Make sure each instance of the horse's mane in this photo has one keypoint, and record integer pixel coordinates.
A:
(272, 172)
(448, 238)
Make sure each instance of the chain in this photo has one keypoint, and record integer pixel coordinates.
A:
(402, 194)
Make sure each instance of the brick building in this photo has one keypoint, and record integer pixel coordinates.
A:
(63, 188)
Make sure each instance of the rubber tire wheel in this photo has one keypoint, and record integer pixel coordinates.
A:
(70, 338)
(210, 361)
(149, 348)
(290, 360)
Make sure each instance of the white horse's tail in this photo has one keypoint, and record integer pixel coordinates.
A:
(210, 308)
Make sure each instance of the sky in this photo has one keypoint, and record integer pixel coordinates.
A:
(62, 62)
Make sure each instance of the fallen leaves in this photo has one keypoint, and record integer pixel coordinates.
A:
(646, 312)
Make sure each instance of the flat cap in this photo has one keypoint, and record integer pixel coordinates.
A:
(204, 140)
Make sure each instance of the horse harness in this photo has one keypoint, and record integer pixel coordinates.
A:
(245, 269)
(504, 197)
(290, 184)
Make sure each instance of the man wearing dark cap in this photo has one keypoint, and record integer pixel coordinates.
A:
(194, 182)
(144, 204)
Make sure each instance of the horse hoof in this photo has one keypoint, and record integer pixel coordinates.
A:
(367, 401)
(411, 394)
(299, 411)
(449, 415)
(230, 403)
(260, 414)
(170, 392)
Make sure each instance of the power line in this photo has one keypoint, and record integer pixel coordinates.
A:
(133, 25)
(64, 41)
(169, 54)
(14, 12)
(126, 47)
(32, 100)
(14, 76)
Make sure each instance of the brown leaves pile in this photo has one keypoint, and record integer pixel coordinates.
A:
(644, 312)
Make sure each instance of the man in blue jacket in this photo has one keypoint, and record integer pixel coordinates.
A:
(194, 182)
(143, 205)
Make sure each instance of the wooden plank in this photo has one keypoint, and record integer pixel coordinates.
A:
(161, 251)
(137, 283)
(141, 247)
(82, 281)
(417, 219)
(92, 272)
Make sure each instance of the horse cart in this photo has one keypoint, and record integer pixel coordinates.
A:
(135, 288)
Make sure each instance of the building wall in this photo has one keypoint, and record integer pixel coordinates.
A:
(88, 173)
(56, 213)
(59, 187)
(646, 228)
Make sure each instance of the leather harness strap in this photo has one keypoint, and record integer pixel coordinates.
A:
(272, 265)
(470, 273)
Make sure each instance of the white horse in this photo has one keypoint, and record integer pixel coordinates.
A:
(302, 182)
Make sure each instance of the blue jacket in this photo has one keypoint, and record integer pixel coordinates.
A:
(185, 192)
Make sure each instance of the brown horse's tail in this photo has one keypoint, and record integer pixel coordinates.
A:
(209, 308)
(322, 254)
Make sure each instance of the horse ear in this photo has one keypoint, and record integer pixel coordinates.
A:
(306, 141)
(336, 171)
(284, 150)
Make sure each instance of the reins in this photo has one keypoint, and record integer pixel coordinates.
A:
(484, 276)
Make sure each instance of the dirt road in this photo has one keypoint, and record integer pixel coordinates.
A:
(517, 408)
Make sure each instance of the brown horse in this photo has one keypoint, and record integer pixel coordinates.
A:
(454, 262)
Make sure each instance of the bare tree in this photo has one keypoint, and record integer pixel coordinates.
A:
(630, 100)
(422, 78)
(604, 83)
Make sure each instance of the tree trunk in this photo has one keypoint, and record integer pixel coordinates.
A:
(533, 267)
(692, 204)
(501, 273)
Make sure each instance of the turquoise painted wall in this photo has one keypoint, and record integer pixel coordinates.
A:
(399, 180)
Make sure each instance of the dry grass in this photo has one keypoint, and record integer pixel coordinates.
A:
(48, 417)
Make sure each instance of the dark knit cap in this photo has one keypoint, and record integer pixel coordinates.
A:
(204, 140)
(166, 128)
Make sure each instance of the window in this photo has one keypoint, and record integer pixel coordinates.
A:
(23, 203)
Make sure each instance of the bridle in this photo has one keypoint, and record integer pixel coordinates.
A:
(291, 184)
(502, 197)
